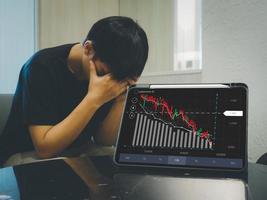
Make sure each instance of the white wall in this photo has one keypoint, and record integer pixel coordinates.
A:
(235, 50)
(68, 21)
(16, 40)
(234, 40)
(157, 18)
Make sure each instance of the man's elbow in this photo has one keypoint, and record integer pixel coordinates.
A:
(44, 155)
(43, 152)
(104, 141)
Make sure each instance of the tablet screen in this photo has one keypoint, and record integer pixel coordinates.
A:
(184, 127)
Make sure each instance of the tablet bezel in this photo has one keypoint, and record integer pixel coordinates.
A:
(173, 86)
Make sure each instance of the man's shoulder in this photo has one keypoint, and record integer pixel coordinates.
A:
(52, 53)
(47, 59)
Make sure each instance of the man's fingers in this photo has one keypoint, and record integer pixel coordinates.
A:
(124, 83)
(122, 89)
(108, 76)
(131, 82)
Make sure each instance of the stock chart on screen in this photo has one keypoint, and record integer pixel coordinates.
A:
(191, 122)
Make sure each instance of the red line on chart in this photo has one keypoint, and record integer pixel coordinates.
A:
(173, 113)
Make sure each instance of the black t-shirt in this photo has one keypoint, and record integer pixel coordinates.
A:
(47, 92)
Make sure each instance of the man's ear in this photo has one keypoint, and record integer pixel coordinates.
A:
(89, 49)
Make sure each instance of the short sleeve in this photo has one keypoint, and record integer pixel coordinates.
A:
(38, 95)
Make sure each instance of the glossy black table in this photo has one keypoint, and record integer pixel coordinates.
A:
(97, 178)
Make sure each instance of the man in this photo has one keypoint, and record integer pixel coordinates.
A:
(68, 94)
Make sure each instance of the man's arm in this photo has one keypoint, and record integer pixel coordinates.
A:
(108, 129)
(51, 140)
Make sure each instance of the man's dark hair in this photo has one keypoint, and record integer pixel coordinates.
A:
(120, 43)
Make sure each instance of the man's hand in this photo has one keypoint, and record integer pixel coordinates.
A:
(108, 130)
(104, 88)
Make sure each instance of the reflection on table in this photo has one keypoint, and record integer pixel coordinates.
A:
(98, 178)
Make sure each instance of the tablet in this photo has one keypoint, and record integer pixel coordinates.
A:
(200, 126)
